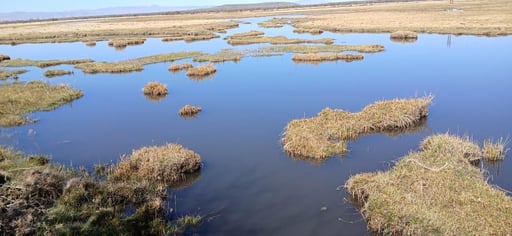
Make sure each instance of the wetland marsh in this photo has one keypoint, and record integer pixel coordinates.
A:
(248, 184)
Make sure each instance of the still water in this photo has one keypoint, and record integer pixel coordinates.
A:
(248, 186)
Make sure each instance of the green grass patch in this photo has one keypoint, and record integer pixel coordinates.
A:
(18, 99)
(434, 191)
(327, 134)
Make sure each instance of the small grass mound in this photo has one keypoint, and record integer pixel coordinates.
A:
(319, 57)
(4, 57)
(122, 43)
(436, 191)
(189, 111)
(326, 135)
(167, 164)
(90, 43)
(17, 99)
(179, 67)
(55, 73)
(6, 74)
(308, 31)
(398, 35)
(202, 70)
(155, 89)
(494, 151)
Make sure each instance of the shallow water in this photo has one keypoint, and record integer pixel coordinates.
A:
(248, 186)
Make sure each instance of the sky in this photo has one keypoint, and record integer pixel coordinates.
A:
(66, 5)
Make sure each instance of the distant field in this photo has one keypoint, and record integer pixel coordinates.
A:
(463, 17)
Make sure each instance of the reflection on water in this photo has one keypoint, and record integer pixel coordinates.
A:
(404, 40)
(247, 180)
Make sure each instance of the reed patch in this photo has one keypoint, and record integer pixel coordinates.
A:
(327, 134)
(202, 70)
(123, 43)
(18, 99)
(189, 111)
(174, 67)
(495, 150)
(434, 191)
(155, 89)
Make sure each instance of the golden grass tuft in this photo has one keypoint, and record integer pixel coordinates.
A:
(202, 70)
(18, 99)
(155, 89)
(494, 151)
(326, 135)
(403, 35)
(319, 57)
(4, 57)
(122, 43)
(166, 164)
(43, 63)
(436, 191)
(179, 67)
(55, 73)
(90, 43)
(6, 74)
(189, 111)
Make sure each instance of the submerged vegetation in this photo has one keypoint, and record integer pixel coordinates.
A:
(41, 198)
(6, 74)
(54, 73)
(327, 134)
(43, 63)
(435, 191)
(319, 57)
(189, 111)
(18, 99)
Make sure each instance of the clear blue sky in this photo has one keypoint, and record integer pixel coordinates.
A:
(65, 5)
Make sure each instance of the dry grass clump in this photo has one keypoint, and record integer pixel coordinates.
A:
(252, 33)
(320, 137)
(54, 73)
(220, 56)
(368, 48)
(202, 70)
(191, 37)
(435, 191)
(90, 43)
(494, 151)
(167, 164)
(189, 111)
(43, 63)
(179, 67)
(122, 43)
(308, 31)
(276, 40)
(155, 89)
(404, 35)
(319, 57)
(4, 57)
(274, 23)
(6, 74)
(18, 99)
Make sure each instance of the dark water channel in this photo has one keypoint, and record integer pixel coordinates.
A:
(248, 186)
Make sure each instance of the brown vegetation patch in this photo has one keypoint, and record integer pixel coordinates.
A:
(320, 137)
(276, 40)
(308, 31)
(403, 35)
(43, 63)
(435, 191)
(274, 23)
(191, 37)
(122, 43)
(252, 33)
(179, 67)
(155, 89)
(90, 43)
(220, 56)
(189, 111)
(4, 57)
(6, 74)
(202, 70)
(18, 99)
(167, 164)
(55, 73)
(368, 48)
(319, 57)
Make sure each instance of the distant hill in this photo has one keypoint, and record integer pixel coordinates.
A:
(21, 16)
(252, 6)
